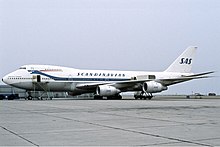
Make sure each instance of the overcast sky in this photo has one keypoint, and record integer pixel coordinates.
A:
(144, 35)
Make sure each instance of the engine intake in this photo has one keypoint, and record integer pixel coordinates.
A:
(153, 87)
(105, 90)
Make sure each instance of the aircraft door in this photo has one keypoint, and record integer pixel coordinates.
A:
(38, 78)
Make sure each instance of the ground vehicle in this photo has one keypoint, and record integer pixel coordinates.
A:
(8, 96)
(212, 94)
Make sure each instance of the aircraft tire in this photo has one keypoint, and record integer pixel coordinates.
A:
(117, 97)
(150, 97)
(30, 97)
(97, 97)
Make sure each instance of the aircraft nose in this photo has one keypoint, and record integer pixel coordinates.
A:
(4, 79)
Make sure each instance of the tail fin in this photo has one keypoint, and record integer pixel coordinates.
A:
(183, 63)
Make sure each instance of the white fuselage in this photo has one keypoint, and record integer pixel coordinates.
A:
(57, 78)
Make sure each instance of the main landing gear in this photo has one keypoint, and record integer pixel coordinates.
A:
(115, 97)
(143, 95)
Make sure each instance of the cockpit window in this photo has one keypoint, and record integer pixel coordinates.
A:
(22, 68)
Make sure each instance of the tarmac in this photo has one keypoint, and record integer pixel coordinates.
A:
(156, 122)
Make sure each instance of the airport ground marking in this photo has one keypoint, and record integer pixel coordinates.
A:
(16, 134)
(129, 130)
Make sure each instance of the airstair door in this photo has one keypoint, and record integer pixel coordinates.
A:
(38, 78)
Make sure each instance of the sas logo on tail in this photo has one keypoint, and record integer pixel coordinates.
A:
(186, 61)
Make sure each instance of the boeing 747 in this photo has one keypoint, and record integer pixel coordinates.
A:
(104, 83)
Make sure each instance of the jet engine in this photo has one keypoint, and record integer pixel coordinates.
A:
(153, 87)
(105, 90)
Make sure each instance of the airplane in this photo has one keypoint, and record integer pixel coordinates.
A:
(104, 83)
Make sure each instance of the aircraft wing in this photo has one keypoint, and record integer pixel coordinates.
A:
(135, 85)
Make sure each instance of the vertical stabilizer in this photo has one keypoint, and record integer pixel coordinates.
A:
(183, 63)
